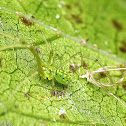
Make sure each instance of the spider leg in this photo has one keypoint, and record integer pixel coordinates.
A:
(90, 78)
(40, 63)
(48, 46)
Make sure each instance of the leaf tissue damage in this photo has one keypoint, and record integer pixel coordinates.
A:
(117, 25)
(75, 16)
(123, 47)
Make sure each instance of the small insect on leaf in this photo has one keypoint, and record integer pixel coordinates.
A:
(33, 16)
(63, 116)
(27, 21)
(57, 93)
(38, 51)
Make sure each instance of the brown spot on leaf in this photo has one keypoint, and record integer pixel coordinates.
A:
(124, 86)
(68, 7)
(77, 4)
(117, 25)
(16, 106)
(123, 47)
(124, 43)
(33, 16)
(83, 64)
(102, 74)
(77, 19)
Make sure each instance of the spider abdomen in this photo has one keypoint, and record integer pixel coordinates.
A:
(62, 77)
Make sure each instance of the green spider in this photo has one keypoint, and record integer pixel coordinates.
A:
(48, 72)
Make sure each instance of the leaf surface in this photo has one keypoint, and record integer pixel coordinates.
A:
(83, 103)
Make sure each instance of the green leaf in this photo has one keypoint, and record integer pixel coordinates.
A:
(82, 102)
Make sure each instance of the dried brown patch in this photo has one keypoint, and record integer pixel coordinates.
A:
(117, 25)
(77, 4)
(123, 47)
(77, 19)
(84, 64)
(68, 7)
(124, 86)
